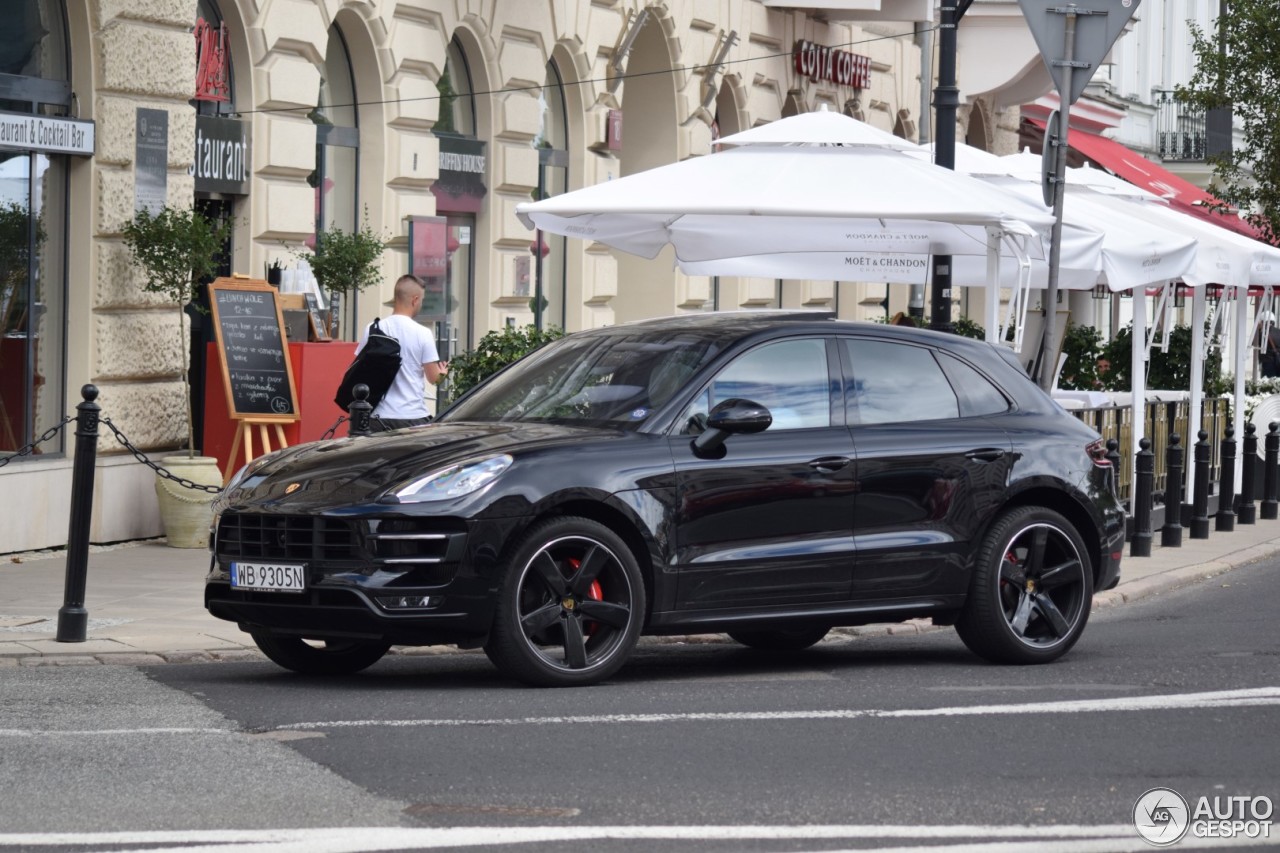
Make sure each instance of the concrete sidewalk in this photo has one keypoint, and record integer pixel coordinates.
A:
(145, 599)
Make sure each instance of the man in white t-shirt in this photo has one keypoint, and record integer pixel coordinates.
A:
(405, 402)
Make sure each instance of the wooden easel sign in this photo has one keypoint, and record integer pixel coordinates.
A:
(254, 357)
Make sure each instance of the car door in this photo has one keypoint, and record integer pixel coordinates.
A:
(932, 464)
(769, 522)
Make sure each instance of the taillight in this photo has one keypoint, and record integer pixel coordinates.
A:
(1097, 451)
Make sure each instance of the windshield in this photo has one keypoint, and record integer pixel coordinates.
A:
(616, 379)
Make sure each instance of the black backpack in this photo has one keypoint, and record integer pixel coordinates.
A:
(376, 366)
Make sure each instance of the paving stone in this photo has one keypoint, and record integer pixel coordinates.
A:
(238, 655)
(59, 660)
(130, 659)
(186, 657)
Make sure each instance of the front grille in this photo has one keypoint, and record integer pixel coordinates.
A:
(287, 537)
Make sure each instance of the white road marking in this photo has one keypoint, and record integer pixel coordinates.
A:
(1253, 697)
(1246, 698)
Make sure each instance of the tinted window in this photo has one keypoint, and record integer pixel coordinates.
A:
(789, 378)
(893, 383)
(616, 379)
(977, 395)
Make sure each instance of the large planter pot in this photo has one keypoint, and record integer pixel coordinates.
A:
(187, 513)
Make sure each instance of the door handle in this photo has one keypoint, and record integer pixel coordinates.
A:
(986, 454)
(829, 464)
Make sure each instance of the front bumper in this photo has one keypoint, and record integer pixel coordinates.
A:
(404, 580)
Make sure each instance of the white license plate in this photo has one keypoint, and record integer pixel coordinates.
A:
(274, 577)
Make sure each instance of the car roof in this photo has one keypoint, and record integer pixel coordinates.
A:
(738, 324)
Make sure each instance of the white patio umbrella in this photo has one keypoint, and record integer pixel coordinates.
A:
(814, 196)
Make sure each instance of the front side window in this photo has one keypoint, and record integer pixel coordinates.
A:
(591, 380)
(789, 378)
(896, 383)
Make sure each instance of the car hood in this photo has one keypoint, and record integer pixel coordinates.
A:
(340, 472)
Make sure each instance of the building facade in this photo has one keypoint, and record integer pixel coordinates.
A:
(427, 121)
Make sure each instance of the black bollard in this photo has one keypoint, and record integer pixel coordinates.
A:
(1113, 458)
(73, 618)
(1171, 533)
(1247, 512)
(359, 411)
(1270, 504)
(1140, 545)
(1200, 475)
(1225, 521)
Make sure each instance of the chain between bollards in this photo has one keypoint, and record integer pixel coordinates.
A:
(1200, 476)
(1225, 520)
(73, 619)
(1171, 533)
(1144, 480)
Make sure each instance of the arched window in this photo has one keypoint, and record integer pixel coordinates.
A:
(337, 140)
(457, 103)
(548, 299)
(33, 227)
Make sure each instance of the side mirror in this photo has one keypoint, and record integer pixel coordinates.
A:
(732, 416)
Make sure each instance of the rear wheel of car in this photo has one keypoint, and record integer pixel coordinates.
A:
(328, 657)
(780, 640)
(1032, 589)
(571, 607)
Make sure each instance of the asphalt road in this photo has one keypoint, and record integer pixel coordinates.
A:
(867, 743)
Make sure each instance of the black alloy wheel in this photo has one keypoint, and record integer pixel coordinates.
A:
(1032, 589)
(571, 606)
(780, 639)
(327, 657)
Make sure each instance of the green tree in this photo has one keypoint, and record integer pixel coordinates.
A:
(177, 249)
(1238, 68)
(345, 262)
(1166, 370)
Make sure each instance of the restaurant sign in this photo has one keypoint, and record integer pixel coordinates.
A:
(28, 132)
(837, 66)
(222, 160)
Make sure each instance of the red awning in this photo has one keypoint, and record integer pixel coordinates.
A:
(1151, 176)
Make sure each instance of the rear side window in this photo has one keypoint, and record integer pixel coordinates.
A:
(896, 383)
(978, 396)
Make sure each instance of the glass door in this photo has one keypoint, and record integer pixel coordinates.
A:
(32, 204)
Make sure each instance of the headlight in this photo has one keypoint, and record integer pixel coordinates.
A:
(454, 481)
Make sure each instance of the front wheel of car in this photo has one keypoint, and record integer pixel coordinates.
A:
(1031, 591)
(780, 640)
(571, 606)
(328, 657)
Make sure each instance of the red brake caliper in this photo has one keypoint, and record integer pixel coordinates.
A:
(595, 592)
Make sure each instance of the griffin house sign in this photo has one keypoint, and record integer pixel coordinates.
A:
(837, 66)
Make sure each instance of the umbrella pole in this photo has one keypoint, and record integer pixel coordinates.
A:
(1241, 348)
(1196, 412)
(1138, 371)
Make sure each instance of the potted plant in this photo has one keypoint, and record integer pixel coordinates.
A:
(177, 248)
(345, 262)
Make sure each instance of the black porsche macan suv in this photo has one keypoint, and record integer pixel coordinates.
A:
(769, 475)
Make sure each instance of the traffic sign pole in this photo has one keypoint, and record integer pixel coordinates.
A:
(1058, 145)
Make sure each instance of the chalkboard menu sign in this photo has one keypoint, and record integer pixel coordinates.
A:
(255, 355)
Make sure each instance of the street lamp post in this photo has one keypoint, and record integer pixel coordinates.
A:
(946, 98)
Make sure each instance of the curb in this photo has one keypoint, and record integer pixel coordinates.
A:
(1125, 593)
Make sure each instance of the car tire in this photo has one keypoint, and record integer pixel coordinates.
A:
(781, 639)
(1031, 591)
(333, 657)
(570, 607)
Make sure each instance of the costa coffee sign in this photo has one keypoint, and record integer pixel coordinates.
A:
(838, 66)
